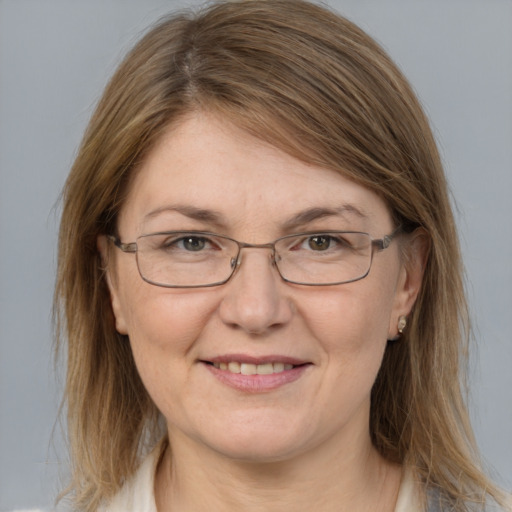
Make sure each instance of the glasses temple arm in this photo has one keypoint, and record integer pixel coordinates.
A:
(131, 247)
(383, 243)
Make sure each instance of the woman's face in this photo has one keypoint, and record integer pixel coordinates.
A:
(207, 175)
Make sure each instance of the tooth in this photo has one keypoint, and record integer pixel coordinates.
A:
(253, 369)
(234, 367)
(265, 369)
(278, 367)
(248, 369)
(216, 365)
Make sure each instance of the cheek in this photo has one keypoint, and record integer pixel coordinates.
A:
(356, 315)
(160, 319)
(163, 327)
(351, 326)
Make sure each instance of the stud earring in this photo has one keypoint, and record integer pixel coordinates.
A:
(402, 322)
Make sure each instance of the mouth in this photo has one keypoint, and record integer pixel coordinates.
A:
(253, 369)
(256, 374)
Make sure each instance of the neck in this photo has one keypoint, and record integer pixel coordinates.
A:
(356, 479)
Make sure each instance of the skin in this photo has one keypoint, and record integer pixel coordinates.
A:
(271, 450)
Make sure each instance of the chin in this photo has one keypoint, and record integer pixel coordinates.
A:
(257, 450)
(258, 440)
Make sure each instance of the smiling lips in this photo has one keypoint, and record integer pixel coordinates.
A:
(253, 369)
(256, 375)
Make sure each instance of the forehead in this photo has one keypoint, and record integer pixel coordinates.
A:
(207, 165)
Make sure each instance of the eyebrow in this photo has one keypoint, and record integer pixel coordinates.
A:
(300, 219)
(192, 212)
(312, 214)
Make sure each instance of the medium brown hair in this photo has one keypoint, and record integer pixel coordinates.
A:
(314, 85)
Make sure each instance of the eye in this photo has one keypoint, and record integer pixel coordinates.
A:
(328, 243)
(186, 242)
(320, 242)
(192, 243)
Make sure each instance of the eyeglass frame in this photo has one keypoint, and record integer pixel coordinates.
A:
(131, 248)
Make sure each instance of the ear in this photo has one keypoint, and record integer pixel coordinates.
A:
(103, 246)
(416, 248)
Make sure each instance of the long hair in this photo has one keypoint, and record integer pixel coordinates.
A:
(314, 85)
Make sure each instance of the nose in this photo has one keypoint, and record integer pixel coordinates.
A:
(255, 300)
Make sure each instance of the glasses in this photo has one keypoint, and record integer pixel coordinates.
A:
(193, 259)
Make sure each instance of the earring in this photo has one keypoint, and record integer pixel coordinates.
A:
(402, 322)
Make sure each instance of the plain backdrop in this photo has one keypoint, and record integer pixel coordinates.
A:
(55, 58)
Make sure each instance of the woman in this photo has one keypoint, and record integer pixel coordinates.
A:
(260, 279)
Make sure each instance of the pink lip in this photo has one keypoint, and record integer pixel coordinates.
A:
(256, 383)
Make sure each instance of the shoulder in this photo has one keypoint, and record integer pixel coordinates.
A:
(437, 502)
(138, 493)
(414, 497)
(411, 494)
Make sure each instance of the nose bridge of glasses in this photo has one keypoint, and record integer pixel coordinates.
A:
(236, 262)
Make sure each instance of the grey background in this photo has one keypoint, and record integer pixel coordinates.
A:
(55, 58)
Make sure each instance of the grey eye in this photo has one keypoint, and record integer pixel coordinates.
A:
(193, 243)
